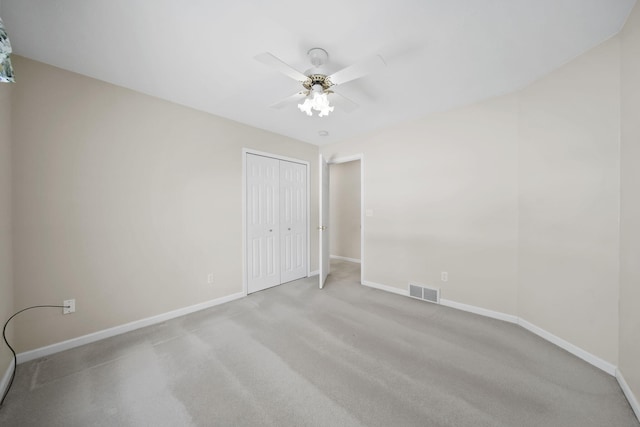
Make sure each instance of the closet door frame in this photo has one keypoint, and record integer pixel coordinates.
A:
(246, 151)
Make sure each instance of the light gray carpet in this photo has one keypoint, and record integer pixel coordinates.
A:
(298, 356)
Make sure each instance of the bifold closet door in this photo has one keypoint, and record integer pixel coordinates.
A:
(276, 222)
(263, 222)
(293, 221)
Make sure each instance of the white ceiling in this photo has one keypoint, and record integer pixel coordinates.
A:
(440, 53)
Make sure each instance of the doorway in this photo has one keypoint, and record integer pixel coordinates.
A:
(342, 222)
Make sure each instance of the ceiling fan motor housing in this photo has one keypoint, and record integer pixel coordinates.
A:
(318, 58)
(317, 79)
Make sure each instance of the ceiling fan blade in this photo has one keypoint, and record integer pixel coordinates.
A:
(357, 70)
(272, 61)
(344, 103)
(298, 96)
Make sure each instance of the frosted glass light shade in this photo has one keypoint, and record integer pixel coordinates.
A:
(318, 101)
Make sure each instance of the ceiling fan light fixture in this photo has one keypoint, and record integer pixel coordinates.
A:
(317, 100)
(317, 83)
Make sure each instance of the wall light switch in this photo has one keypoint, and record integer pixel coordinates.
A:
(368, 212)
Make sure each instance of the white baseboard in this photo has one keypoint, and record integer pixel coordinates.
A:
(566, 345)
(4, 381)
(628, 394)
(571, 348)
(121, 329)
(344, 258)
(478, 310)
(314, 273)
(391, 289)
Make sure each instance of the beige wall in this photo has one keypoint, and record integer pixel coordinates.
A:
(515, 197)
(344, 204)
(443, 192)
(569, 201)
(124, 202)
(6, 281)
(629, 363)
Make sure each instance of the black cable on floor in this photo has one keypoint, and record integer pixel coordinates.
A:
(15, 358)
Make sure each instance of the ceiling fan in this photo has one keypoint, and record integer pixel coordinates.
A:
(317, 84)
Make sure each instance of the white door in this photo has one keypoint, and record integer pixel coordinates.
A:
(263, 222)
(293, 221)
(324, 221)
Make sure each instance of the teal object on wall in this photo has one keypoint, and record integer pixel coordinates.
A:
(6, 70)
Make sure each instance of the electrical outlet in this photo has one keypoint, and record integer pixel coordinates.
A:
(69, 306)
(210, 278)
(444, 276)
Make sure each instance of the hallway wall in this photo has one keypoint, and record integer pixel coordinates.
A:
(344, 206)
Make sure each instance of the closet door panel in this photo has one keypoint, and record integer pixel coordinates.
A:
(263, 222)
(293, 221)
